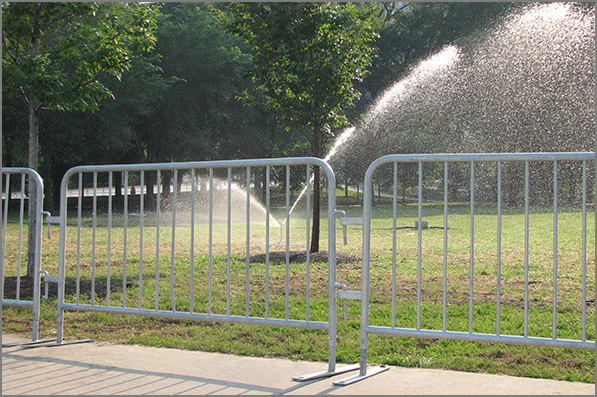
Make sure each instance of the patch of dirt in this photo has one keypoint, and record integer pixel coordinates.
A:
(301, 257)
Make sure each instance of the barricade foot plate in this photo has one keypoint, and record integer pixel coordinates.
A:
(63, 343)
(28, 343)
(370, 372)
(325, 374)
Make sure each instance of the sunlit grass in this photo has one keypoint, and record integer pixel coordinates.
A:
(183, 285)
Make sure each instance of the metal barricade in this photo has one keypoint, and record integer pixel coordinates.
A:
(439, 281)
(18, 183)
(165, 240)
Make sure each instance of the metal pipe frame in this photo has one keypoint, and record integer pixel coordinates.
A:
(33, 178)
(471, 158)
(242, 165)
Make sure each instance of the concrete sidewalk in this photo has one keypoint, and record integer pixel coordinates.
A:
(102, 368)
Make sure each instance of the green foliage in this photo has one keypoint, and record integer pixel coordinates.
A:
(199, 111)
(55, 53)
(306, 57)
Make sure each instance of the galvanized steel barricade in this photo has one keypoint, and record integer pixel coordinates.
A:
(186, 257)
(14, 240)
(506, 266)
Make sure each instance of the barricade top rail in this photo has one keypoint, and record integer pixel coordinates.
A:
(466, 157)
(22, 170)
(205, 164)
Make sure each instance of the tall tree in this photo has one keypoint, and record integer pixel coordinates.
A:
(306, 58)
(55, 53)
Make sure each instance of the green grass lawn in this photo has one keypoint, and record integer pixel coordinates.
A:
(176, 276)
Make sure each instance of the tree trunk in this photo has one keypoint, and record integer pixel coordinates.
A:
(316, 147)
(49, 186)
(150, 197)
(403, 194)
(33, 160)
(118, 196)
(263, 186)
(166, 182)
(33, 163)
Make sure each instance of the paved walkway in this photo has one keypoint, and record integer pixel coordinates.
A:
(102, 368)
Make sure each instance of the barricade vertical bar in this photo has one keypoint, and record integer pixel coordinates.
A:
(394, 215)
(93, 238)
(364, 342)
(472, 248)
(267, 181)
(79, 209)
(141, 214)
(584, 251)
(527, 174)
(248, 242)
(109, 258)
(157, 238)
(555, 249)
(62, 257)
(332, 332)
(419, 245)
(287, 276)
(499, 249)
(445, 286)
(332, 273)
(3, 216)
(37, 259)
(192, 248)
(5, 222)
(173, 240)
(125, 230)
(21, 212)
(210, 260)
(228, 239)
(308, 252)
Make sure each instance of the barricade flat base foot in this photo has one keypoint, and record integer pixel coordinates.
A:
(63, 343)
(28, 343)
(325, 374)
(370, 372)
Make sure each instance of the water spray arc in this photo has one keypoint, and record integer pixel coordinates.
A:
(342, 138)
(526, 84)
